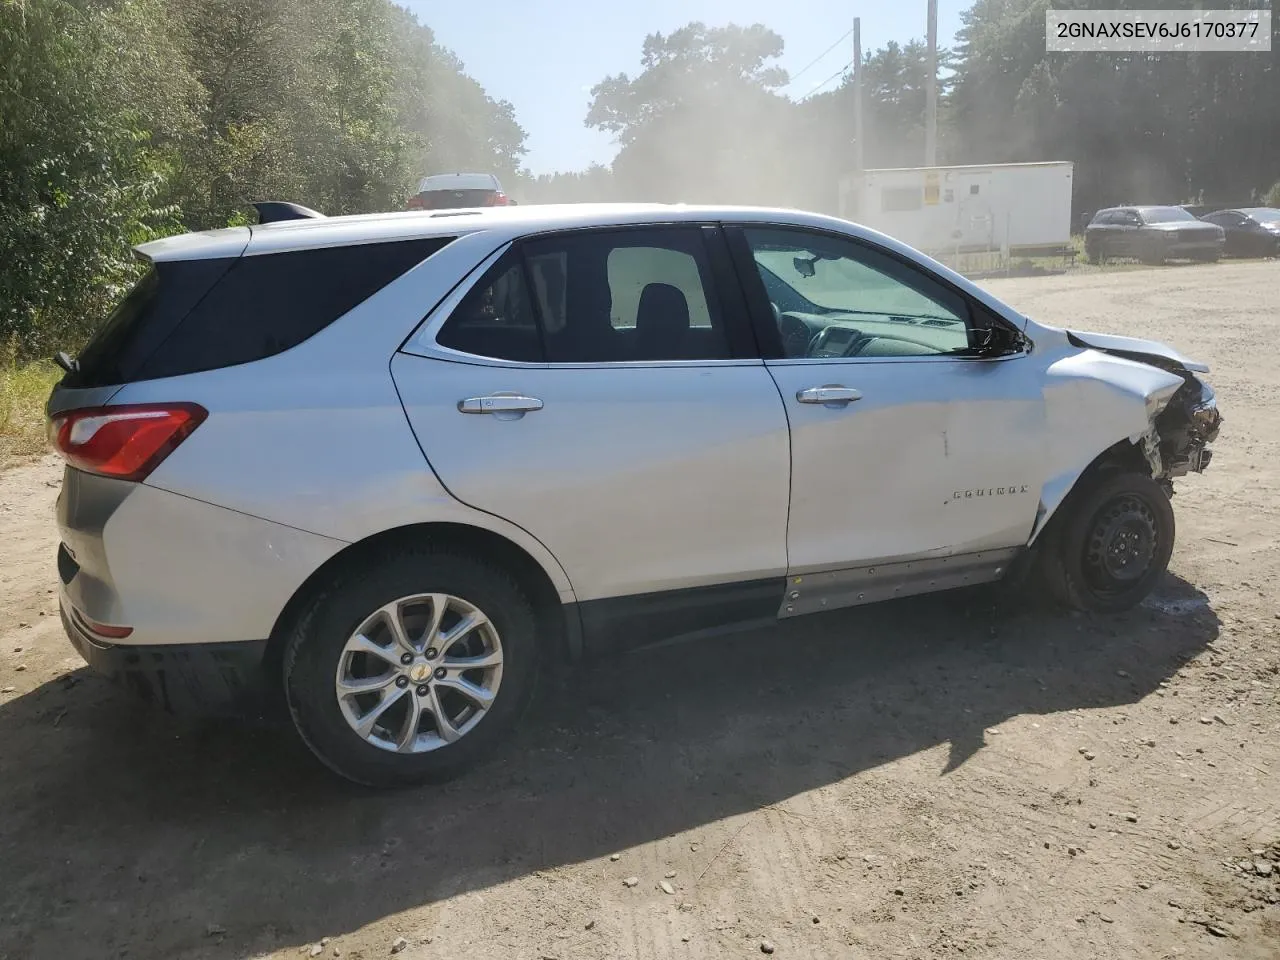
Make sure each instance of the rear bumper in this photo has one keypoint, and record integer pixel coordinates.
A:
(205, 678)
(176, 570)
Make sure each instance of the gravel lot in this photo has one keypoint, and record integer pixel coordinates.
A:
(939, 777)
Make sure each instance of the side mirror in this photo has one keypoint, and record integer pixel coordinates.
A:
(998, 340)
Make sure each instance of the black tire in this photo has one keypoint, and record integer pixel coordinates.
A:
(1153, 253)
(1074, 562)
(314, 649)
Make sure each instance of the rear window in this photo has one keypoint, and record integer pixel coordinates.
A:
(189, 316)
(455, 199)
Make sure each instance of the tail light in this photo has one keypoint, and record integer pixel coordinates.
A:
(415, 202)
(497, 199)
(126, 442)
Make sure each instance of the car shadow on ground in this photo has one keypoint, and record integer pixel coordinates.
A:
(126, 833)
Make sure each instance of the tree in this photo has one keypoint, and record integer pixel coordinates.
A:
(123, 120)
(81, 179)
(690, 124)
(1140, 127)
(456, 125)
(894, 102)
(593, 185)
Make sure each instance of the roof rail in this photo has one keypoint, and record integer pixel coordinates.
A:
(273, 211)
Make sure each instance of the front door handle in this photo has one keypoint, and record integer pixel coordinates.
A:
(832, 393)
(500, 403)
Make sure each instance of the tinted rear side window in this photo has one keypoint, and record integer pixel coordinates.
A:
(143, 319)
(269, 303)
(595, 296)
(496, 317)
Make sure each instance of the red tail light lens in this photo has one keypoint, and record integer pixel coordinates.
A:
(100, 629)
(497, 200)
(415, 202)
(126, 442)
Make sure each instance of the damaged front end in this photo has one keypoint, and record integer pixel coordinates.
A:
(1182, 429)
(1186, 427)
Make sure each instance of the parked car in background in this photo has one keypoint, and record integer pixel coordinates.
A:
(1152, 235)
(1250, 231)
(385, 465)
(452, 191)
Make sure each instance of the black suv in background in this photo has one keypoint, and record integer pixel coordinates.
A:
(1152, 235)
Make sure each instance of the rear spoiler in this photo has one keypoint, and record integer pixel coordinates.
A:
(273, 211)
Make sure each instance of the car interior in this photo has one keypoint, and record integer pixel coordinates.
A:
(810, 330)
(594, 305)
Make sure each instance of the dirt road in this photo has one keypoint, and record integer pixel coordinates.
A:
(934, 778)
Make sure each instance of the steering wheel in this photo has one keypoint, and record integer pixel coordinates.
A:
(795, 336)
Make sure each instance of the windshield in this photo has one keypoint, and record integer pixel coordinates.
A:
(1164, 214)
(841, 285)
(1262, 214)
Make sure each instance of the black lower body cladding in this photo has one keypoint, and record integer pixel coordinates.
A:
(188, 679)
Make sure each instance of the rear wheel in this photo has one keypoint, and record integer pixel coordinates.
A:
(1111, 546)
(410, 671)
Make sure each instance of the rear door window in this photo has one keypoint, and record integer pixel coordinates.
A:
(496, 318)
(631, 269)
(640, 294)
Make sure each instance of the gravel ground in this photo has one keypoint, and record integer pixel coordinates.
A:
(940, 777)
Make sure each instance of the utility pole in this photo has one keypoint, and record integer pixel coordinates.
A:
(931, 91)
(857, 93)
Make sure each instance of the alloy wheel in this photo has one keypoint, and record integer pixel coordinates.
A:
(419, 673)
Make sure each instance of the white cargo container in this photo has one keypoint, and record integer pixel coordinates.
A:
(1016, 209)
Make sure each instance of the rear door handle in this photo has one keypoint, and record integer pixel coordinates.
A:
(500, 403)
(832, 393)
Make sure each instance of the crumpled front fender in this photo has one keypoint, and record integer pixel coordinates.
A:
(1092, 402)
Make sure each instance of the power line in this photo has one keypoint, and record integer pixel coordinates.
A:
(838, 73)
(814, 62)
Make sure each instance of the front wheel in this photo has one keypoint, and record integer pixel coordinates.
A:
(410, 670)
(1111, 546)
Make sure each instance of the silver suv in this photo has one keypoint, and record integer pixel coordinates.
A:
(390, 464)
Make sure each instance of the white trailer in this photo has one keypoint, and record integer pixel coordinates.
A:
(1014, 209)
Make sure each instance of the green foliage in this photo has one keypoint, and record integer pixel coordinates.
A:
(705, 119)
(24, 388)
(80, 180)
(1141, 128)
(1272, 197)
(125, 120)
(455, 125)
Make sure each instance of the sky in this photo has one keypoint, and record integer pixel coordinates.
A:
(545, 55)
